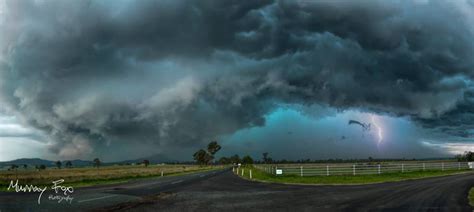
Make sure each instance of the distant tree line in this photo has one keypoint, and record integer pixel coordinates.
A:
(467, 156)
(206, 157)
(266, 159)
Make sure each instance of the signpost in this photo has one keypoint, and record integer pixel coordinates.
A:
(279, 171)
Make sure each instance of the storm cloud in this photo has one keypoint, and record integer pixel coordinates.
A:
(179, 73)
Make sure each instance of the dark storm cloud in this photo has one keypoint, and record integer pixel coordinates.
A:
(178, 73)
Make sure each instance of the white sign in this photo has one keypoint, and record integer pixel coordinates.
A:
(471, 165)
(279, 171)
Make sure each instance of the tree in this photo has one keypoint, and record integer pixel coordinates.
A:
(146, 162)
(213, 148)
(59, 164)
(68, 164)
(265, 157)
(205, 157)
(235, 159)
(13, 167)
(467, 156)
(247, 160)
(96, 162)
(25, 166)
(202, 157)
(42, 167)
(225, 160)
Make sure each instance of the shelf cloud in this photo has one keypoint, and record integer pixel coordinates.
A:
(179, 73)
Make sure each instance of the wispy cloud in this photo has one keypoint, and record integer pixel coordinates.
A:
(453, 148)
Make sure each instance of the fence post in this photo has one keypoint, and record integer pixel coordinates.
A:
(327, 170)
(250, 173)
(379, 168)
(423, 166)
(237, 172)
(403, 167)
(354, 169)
(243, 172)
(301, 171)
(459, 165)
(442, 166)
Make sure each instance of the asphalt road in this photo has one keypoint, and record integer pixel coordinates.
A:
(99, 196)
(223, 191)
(227, 192)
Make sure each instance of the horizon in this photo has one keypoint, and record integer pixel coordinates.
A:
(257, 160)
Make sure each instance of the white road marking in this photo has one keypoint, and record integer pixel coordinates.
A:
(176, 182)
(88, 200)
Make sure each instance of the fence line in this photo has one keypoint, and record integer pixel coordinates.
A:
(358, 169)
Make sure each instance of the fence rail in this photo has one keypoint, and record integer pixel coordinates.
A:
(358, 169)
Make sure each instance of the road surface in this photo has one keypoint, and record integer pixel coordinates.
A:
(227, 192)
(224, 191)
(99, 196)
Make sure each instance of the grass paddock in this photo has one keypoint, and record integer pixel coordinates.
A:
(471, 197)
(80, 177)
(343, 179)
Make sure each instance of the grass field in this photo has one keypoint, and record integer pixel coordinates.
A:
(343, 179)
(471, 197)
(80, 177)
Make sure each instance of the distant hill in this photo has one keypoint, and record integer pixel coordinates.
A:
(32, 162)
(38, 162)
(28, 161)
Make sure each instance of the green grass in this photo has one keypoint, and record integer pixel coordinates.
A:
(345, 179)
(87, 183)
(94, 182)
(471, 197)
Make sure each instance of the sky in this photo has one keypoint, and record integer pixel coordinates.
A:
(298, 79)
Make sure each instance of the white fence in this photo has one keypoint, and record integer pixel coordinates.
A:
(358, 169)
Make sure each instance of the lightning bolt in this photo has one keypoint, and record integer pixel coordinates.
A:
(379, 129)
